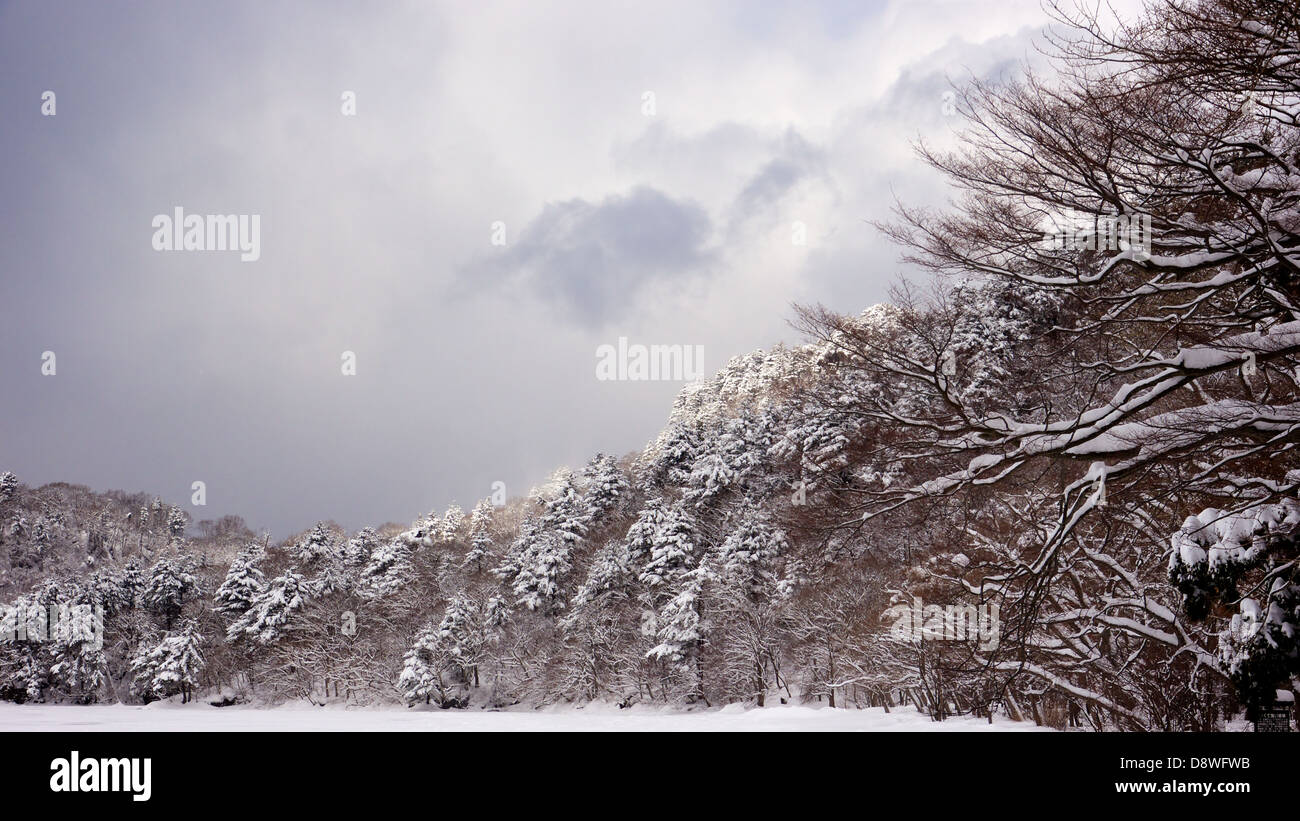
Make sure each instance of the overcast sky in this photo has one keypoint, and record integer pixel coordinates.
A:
(475, 362)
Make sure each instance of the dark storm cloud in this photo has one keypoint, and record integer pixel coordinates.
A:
(798, 160)
(592, 259)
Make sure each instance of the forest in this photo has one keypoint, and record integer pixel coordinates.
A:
(1075, 433)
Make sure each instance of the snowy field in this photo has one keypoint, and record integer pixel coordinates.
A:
(303, 717)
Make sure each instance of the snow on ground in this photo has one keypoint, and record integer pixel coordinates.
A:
(598, 717)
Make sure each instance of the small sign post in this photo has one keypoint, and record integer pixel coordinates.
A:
(1274, 720)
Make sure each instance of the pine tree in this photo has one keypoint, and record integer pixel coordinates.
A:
(545, 561)
(679, 628)
(543, 569)
(496, 615)
(316, 546)
(1219, 554)
(271, 615)
(8, 486)
(78, 670)
(641, 535)
(730, 460)
(419, 679)
(673, 550)
(461, 635)
(105, 589)
(749, 551)
(244, 582)
(359, 548)
(24, 674)
(176, 522)
(669, 459)
(132, 584)
(565, 513)
(606, 487)
(171, 583)
(710, 476)
(479, 556)
(529, 532)
(339, 569)
(610, 574)
(390, 569)
(681, 631)
(452, 521)
(170, 667)
(24, 652)
(332, 578)
(39, 543)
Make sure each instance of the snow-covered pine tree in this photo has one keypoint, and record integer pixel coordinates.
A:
(243, 584)
(529, 531)
(24, 655)
(710, 476)
(78, 671)
(1246, 561)
(171, 583)
(674, 580)
(543, 557)
(748, 604)
(668, 460)
(132, 583)
(419, 680)
(170, 667)
(542, 571)
(681, 631)
(177, 520)
(640, 539)
(450, 525)
(390, 569)
(8, 486)
(540, 559)
(105, 589)
(606, 487)
(479, 557)
(316, 546)
(565, 513)
(356, 554)
(461, 635)
(339, 568)
(673, 550)
(271, 615)
(23, 673)
(610, 573)
(749, 551)
(496, 615)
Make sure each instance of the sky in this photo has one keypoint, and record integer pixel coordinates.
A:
(519, 184)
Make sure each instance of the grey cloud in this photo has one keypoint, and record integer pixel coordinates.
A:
(755, 168)
(858, 267)
(593, 259)
(796, 160)
(658, 144)
(916, 99)
(181, 367)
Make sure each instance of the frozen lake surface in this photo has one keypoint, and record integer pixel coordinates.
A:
(599, 717)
